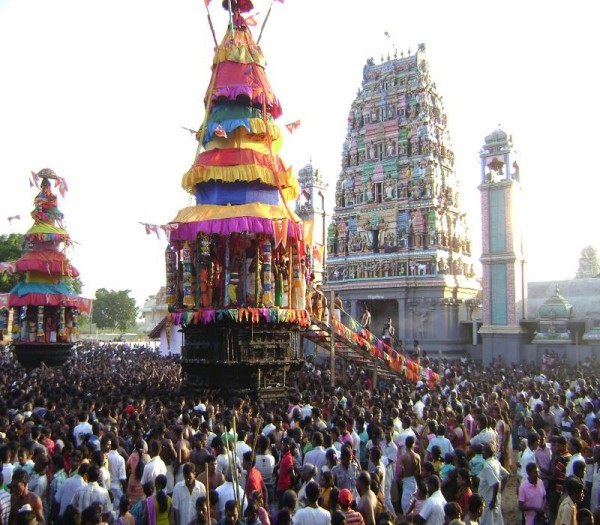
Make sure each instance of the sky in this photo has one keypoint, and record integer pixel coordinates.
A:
(98, 92)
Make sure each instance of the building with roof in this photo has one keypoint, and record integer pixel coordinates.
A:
(524, 321)
(399, 241)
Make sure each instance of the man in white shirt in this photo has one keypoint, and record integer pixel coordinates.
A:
(574, 448)
(269, 426)
(486, 435)
(93, 493)
(492, 480)
(82, 429)
(66, 491)
(312, 514)
(116, 468)
(317, 455)
(418, 407)
(185, 494)
(241, 447)
(441, 441)
(155, 466)
(432, 512)
(228, 491)
(7, 466)
(306, 410)
(556, 409)
(528, 456)
(405, 431)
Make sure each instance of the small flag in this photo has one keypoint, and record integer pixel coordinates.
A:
(152, 228)
(220, 132)
(62, 186)
(36, 179)
(31, 184)
(206, 2)
(292, 126)
(251, 21)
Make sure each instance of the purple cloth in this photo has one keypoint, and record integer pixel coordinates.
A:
(189, 231)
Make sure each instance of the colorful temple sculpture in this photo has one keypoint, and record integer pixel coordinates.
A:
(399, 242)
(45, 309)
(236, 265)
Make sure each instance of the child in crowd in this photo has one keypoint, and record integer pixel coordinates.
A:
(448, 466)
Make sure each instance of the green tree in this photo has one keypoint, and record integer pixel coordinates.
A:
(115, 310)
(75, 284)
(11, 248)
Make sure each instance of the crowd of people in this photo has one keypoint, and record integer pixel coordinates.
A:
(114, 436)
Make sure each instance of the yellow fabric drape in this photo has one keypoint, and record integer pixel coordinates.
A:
(243, 173)
(240, 138)
(208, 212)
(241, 49)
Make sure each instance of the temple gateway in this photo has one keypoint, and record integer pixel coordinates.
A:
(399, 242)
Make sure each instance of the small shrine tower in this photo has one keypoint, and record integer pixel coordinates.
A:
(310, 208)
(502, 258)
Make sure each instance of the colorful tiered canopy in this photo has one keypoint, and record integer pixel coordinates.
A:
(239, 182)
(44, 264)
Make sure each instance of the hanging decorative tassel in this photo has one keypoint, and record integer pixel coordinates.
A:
(205, 286)
(40, 324)
(3, 322)
(232, 288)
(75, 330)
(168, 326)
(61, 322)
(16, 326)
(227, 269)
(267, 275)
(170, 264)
(186, 260)
(298, 286)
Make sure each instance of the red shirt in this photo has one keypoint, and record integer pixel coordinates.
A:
(284, 482)
(255, 482)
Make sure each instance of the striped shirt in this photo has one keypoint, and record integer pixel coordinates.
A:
(92, 493)
(4, 507)
(353, 517)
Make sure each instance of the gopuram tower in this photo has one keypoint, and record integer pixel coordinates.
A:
(399, 241)
(502, 258)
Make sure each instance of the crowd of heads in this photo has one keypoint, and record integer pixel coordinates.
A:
(136, 405)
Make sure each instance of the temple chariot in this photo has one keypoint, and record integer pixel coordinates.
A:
(236, 263)
(45, 309)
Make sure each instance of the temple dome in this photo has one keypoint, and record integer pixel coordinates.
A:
(497, 137)
(556, 307)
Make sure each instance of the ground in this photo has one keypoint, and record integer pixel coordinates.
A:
(510, 505)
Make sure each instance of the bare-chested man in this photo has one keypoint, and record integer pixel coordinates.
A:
(21, 495)
(368, 500)
(168, 455)
(200, 452)
(183, 450)
(410, 472)
(188, 432)
(215, 476)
